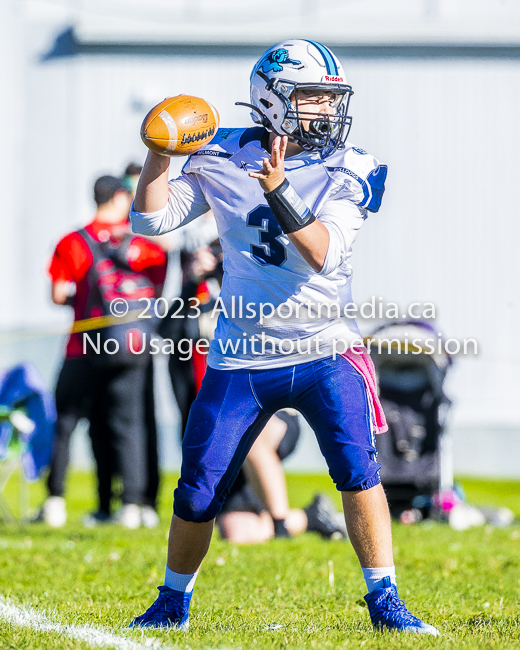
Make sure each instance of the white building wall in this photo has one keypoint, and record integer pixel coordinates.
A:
(12, 106)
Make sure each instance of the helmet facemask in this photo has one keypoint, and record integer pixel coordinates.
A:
(325, 132)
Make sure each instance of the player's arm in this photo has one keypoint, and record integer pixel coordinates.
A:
(312, 243)
(160, 205)
(60, 293)
(152, 189)
(68, 265)
(309, 236)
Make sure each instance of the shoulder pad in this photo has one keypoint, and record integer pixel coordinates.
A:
(361, 175)
(225, 144)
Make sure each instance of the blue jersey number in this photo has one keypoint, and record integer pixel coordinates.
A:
(272, 251)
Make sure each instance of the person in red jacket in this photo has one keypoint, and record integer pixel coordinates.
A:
(111, 395)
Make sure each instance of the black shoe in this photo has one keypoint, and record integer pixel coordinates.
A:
(97, 518)
(323, 518)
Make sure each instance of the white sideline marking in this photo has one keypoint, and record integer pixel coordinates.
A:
(95, 636)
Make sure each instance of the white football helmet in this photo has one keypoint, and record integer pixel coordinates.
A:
(301, 65)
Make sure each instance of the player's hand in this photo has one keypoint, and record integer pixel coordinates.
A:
(273, 172)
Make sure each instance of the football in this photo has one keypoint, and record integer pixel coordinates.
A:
(179, 126)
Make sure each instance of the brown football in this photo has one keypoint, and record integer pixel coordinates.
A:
(179, 126)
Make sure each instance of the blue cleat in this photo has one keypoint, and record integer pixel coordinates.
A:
(171, 609)
(388, 612)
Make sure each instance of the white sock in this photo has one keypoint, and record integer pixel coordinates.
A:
(180, 581)
(374, 577)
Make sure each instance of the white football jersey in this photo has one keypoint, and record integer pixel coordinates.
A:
(275, 310)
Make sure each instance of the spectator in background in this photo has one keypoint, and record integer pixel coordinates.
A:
(99, 261)
(131, 178)
(201, 269)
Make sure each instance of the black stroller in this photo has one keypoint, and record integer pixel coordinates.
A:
(415, 454)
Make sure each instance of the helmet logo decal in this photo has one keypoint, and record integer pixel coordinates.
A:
(275, 61)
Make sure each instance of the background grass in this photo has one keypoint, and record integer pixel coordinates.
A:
(274, 595)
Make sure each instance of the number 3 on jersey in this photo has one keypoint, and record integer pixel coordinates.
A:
(271, 250)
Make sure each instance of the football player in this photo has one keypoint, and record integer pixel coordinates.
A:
(289, 196)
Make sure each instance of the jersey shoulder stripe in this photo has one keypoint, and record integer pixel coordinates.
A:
(225, 144)
(361, 176)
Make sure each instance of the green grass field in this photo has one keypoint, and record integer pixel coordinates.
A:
(275, 595)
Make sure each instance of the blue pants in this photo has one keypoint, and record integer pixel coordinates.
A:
(232, 408)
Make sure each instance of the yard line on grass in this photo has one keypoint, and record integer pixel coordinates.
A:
(95, 636)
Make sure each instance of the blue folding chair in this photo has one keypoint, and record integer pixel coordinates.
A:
(27, 427)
